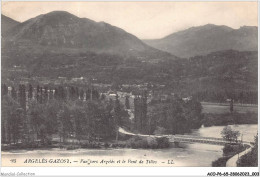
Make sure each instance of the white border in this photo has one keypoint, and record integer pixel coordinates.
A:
(133, 171)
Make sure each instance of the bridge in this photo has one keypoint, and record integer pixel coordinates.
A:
(198, 139)
(184, 138)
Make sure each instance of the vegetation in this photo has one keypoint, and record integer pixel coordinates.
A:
(220, 162)
(148, 142)
(213, 78)
(250, 159)
(229, 134)
(36, 120)
(211, 119)
(229, 151)
(41, 117)
(175, 116)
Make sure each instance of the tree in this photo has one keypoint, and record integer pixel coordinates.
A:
(175, 115)
(30, 92)
(11, 120)
(102, 97)
(140, 113)
(72, 94)
(127, 104)
(35, 115)
(56, 94)
(22, 96)
(88, 94)
(61, 93)
(4, 90)
(95, 94)
(45, 94)
(13, 93)
(51, 94)
(50, 116)
(81, 94)
(229, 134)
(60, 126)
(117, 110)
(38, 93)
(41, 95)
(231, 106)
(76, 93)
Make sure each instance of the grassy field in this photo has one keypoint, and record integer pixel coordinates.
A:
(219, 109)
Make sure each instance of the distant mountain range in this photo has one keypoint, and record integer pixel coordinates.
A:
(203, 40)
(62, 30)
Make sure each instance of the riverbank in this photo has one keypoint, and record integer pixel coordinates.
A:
(184, 155)
(134, 142)
(214, 119)
(232, 162)
(229, 151)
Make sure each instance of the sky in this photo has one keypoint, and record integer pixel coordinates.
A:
(146, 20)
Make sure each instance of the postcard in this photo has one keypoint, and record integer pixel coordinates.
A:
(129, 84)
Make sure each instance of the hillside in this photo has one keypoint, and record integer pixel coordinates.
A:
(59, 44)
(64, 32)
(6, 24)
(203, 40)
(218, 71)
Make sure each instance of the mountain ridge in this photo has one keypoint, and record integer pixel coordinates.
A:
(61, 29)
(7, 23)
(203, 40)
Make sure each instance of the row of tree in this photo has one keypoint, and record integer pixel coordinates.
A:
(43, 94)
(36, 115)
(243, 97)
(141, 123)
(65, 116)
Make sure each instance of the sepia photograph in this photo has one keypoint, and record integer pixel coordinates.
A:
(129, 84)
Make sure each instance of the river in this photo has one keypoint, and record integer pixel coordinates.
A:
(200, 155)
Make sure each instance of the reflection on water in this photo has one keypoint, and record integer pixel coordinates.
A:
(184, 155)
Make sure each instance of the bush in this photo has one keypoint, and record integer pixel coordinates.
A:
(248, 160)
(221, 162)
(163, 142)
(231, 150)
(147, 142)
(152, 143)
(91, 145)
(160, 131)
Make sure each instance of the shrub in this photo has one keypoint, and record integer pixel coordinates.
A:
(221, 162)
(163, 142)
(147, 142)
(230, 149)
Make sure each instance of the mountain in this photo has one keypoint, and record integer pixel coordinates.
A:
(7, 24)
(203, 40)
(62, 30)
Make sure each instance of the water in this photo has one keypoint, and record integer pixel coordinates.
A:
(185, 155)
